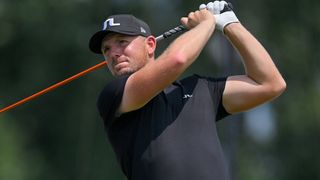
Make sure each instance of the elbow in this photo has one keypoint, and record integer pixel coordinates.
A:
(278, 87)
(179, 59)
(284, 85)
(281, 86)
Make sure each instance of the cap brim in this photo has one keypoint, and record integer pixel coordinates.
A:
(95, 41)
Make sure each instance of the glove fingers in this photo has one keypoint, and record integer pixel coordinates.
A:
(210, 7)
(222, 4)
(202, 6)
(222, 11)
(216, 7)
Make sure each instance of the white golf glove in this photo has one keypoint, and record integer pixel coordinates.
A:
(223, 13)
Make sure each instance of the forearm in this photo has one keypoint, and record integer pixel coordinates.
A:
(188, 46)
(146, 83)
(257, 62)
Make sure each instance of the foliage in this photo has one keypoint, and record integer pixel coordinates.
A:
(60, 135)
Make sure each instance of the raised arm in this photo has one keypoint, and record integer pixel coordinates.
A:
(262, 81)
(147, 82)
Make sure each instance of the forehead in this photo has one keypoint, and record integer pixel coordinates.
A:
(113, 35)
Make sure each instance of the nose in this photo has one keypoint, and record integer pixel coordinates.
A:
(113, 55)
(114, 52)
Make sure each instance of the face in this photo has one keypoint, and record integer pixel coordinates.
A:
(124, 54)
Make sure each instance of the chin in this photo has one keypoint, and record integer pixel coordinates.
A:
(124, 72)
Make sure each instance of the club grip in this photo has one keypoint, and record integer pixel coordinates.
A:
(169, 33)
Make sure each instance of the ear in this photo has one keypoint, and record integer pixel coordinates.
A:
(151, 45)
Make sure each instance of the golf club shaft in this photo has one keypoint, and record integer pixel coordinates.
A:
(161, 37)
(54, 86)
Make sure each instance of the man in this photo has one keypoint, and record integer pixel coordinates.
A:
(162, 128)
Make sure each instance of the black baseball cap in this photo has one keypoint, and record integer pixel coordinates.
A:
(122, 23)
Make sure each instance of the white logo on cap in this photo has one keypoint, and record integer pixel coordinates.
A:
(109, 22)
(143, 30)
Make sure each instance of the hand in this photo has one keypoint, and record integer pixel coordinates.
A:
(223, 13)
(197, 17)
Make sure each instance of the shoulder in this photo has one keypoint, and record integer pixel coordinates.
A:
(211, 79)
(111, 94)
(196, 78)
(114, 86)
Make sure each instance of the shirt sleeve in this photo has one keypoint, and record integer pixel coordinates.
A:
(110, 99)
(216, 88)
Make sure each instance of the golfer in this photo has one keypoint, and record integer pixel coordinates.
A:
(162, 127)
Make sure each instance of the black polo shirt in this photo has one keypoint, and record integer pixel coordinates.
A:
(174, 136)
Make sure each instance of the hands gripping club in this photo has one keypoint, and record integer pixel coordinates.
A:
(223, 13)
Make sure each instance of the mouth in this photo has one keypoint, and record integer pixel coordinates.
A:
(120, 64)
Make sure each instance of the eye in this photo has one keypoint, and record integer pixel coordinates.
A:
(123, 42)
(105, 50)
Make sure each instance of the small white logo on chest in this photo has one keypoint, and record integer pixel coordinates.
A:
(187, 96)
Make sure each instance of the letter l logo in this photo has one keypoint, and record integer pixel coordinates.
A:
(109, 22)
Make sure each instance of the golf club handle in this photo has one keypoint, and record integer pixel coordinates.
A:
(171, 32)
(54, 86)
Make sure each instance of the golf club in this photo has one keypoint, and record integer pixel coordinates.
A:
(167, 34)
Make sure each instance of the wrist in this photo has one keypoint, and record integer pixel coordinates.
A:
(229, 28)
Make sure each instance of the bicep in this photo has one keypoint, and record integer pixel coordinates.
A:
(242, 93)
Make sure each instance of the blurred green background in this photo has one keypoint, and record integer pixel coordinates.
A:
(60, 135)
